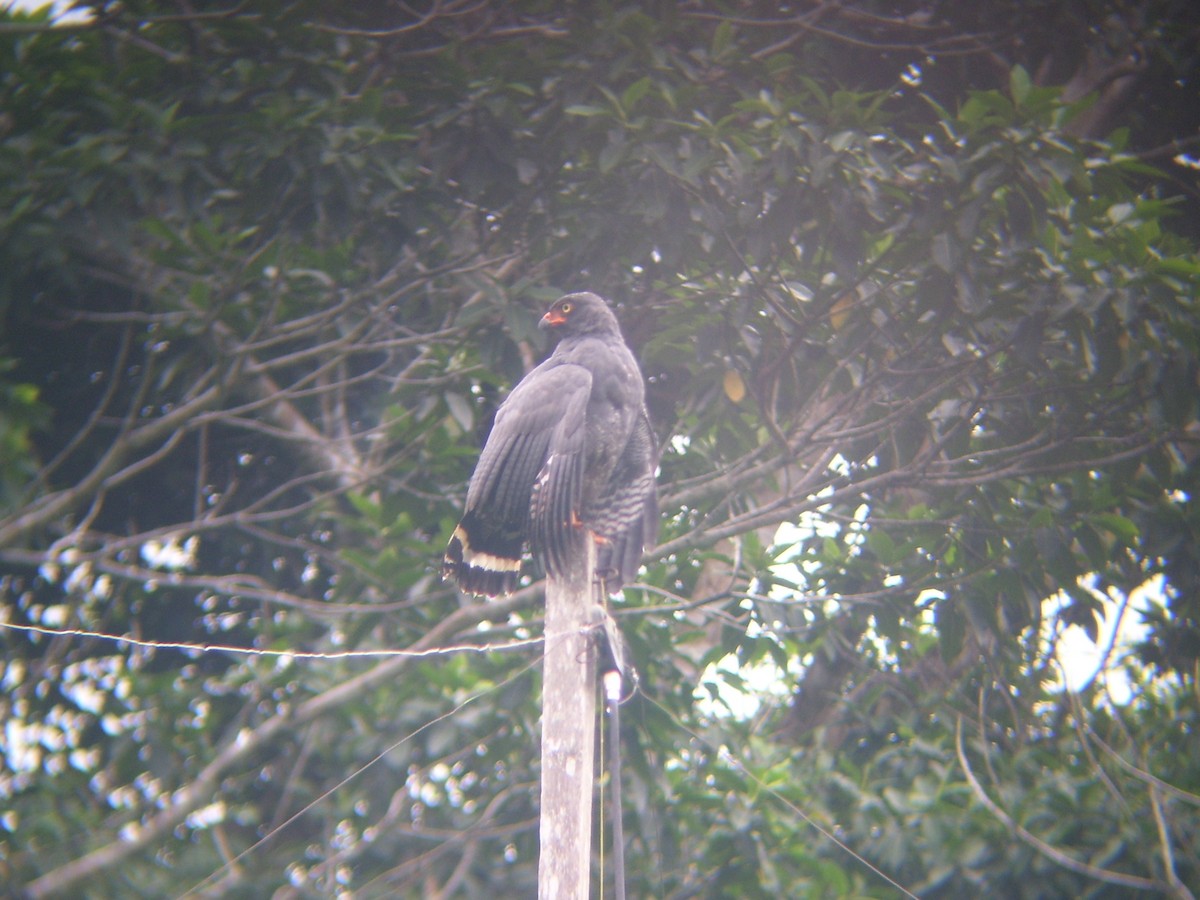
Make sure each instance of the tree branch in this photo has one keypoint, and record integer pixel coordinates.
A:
(246, 743)
(1052, 853)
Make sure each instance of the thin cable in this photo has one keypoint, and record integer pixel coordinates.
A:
(600, 781)
(190, 892)
(284, 654)
(612, 694)
(723, 753)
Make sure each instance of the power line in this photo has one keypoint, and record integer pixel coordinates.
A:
(284, 654)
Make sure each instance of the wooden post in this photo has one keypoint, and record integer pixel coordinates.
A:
(568, 735)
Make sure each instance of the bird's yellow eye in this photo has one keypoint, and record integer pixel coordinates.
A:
(565, 308)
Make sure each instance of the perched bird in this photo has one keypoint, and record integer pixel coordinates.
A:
(570, 452)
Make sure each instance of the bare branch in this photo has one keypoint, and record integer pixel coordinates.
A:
(1051, 853)
(244, 744)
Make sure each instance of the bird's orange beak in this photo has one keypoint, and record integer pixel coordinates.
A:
(552, 319)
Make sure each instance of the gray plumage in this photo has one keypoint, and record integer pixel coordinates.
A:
(571, 451)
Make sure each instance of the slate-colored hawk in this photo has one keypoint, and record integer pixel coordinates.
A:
(571, 452)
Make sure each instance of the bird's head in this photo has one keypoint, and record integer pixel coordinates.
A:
(582, 313)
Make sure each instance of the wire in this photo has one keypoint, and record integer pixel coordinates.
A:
(723, 753)
(192, 891)
(282, 654)
(612, 696)
(613, 687)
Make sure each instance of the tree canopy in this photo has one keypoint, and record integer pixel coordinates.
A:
(915, 287)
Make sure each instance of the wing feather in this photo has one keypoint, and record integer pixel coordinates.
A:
(555, 505)
(528, 481)
(519, 442)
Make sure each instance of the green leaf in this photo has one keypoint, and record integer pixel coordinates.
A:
(365, 506)
(1122, 528)
(587, 110)
(633, 94)
(952, 629)
(882, 545)
(722, 39)
(943, 252)
(1019, 85)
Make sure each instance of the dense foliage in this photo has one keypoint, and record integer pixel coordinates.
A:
(915, 289)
